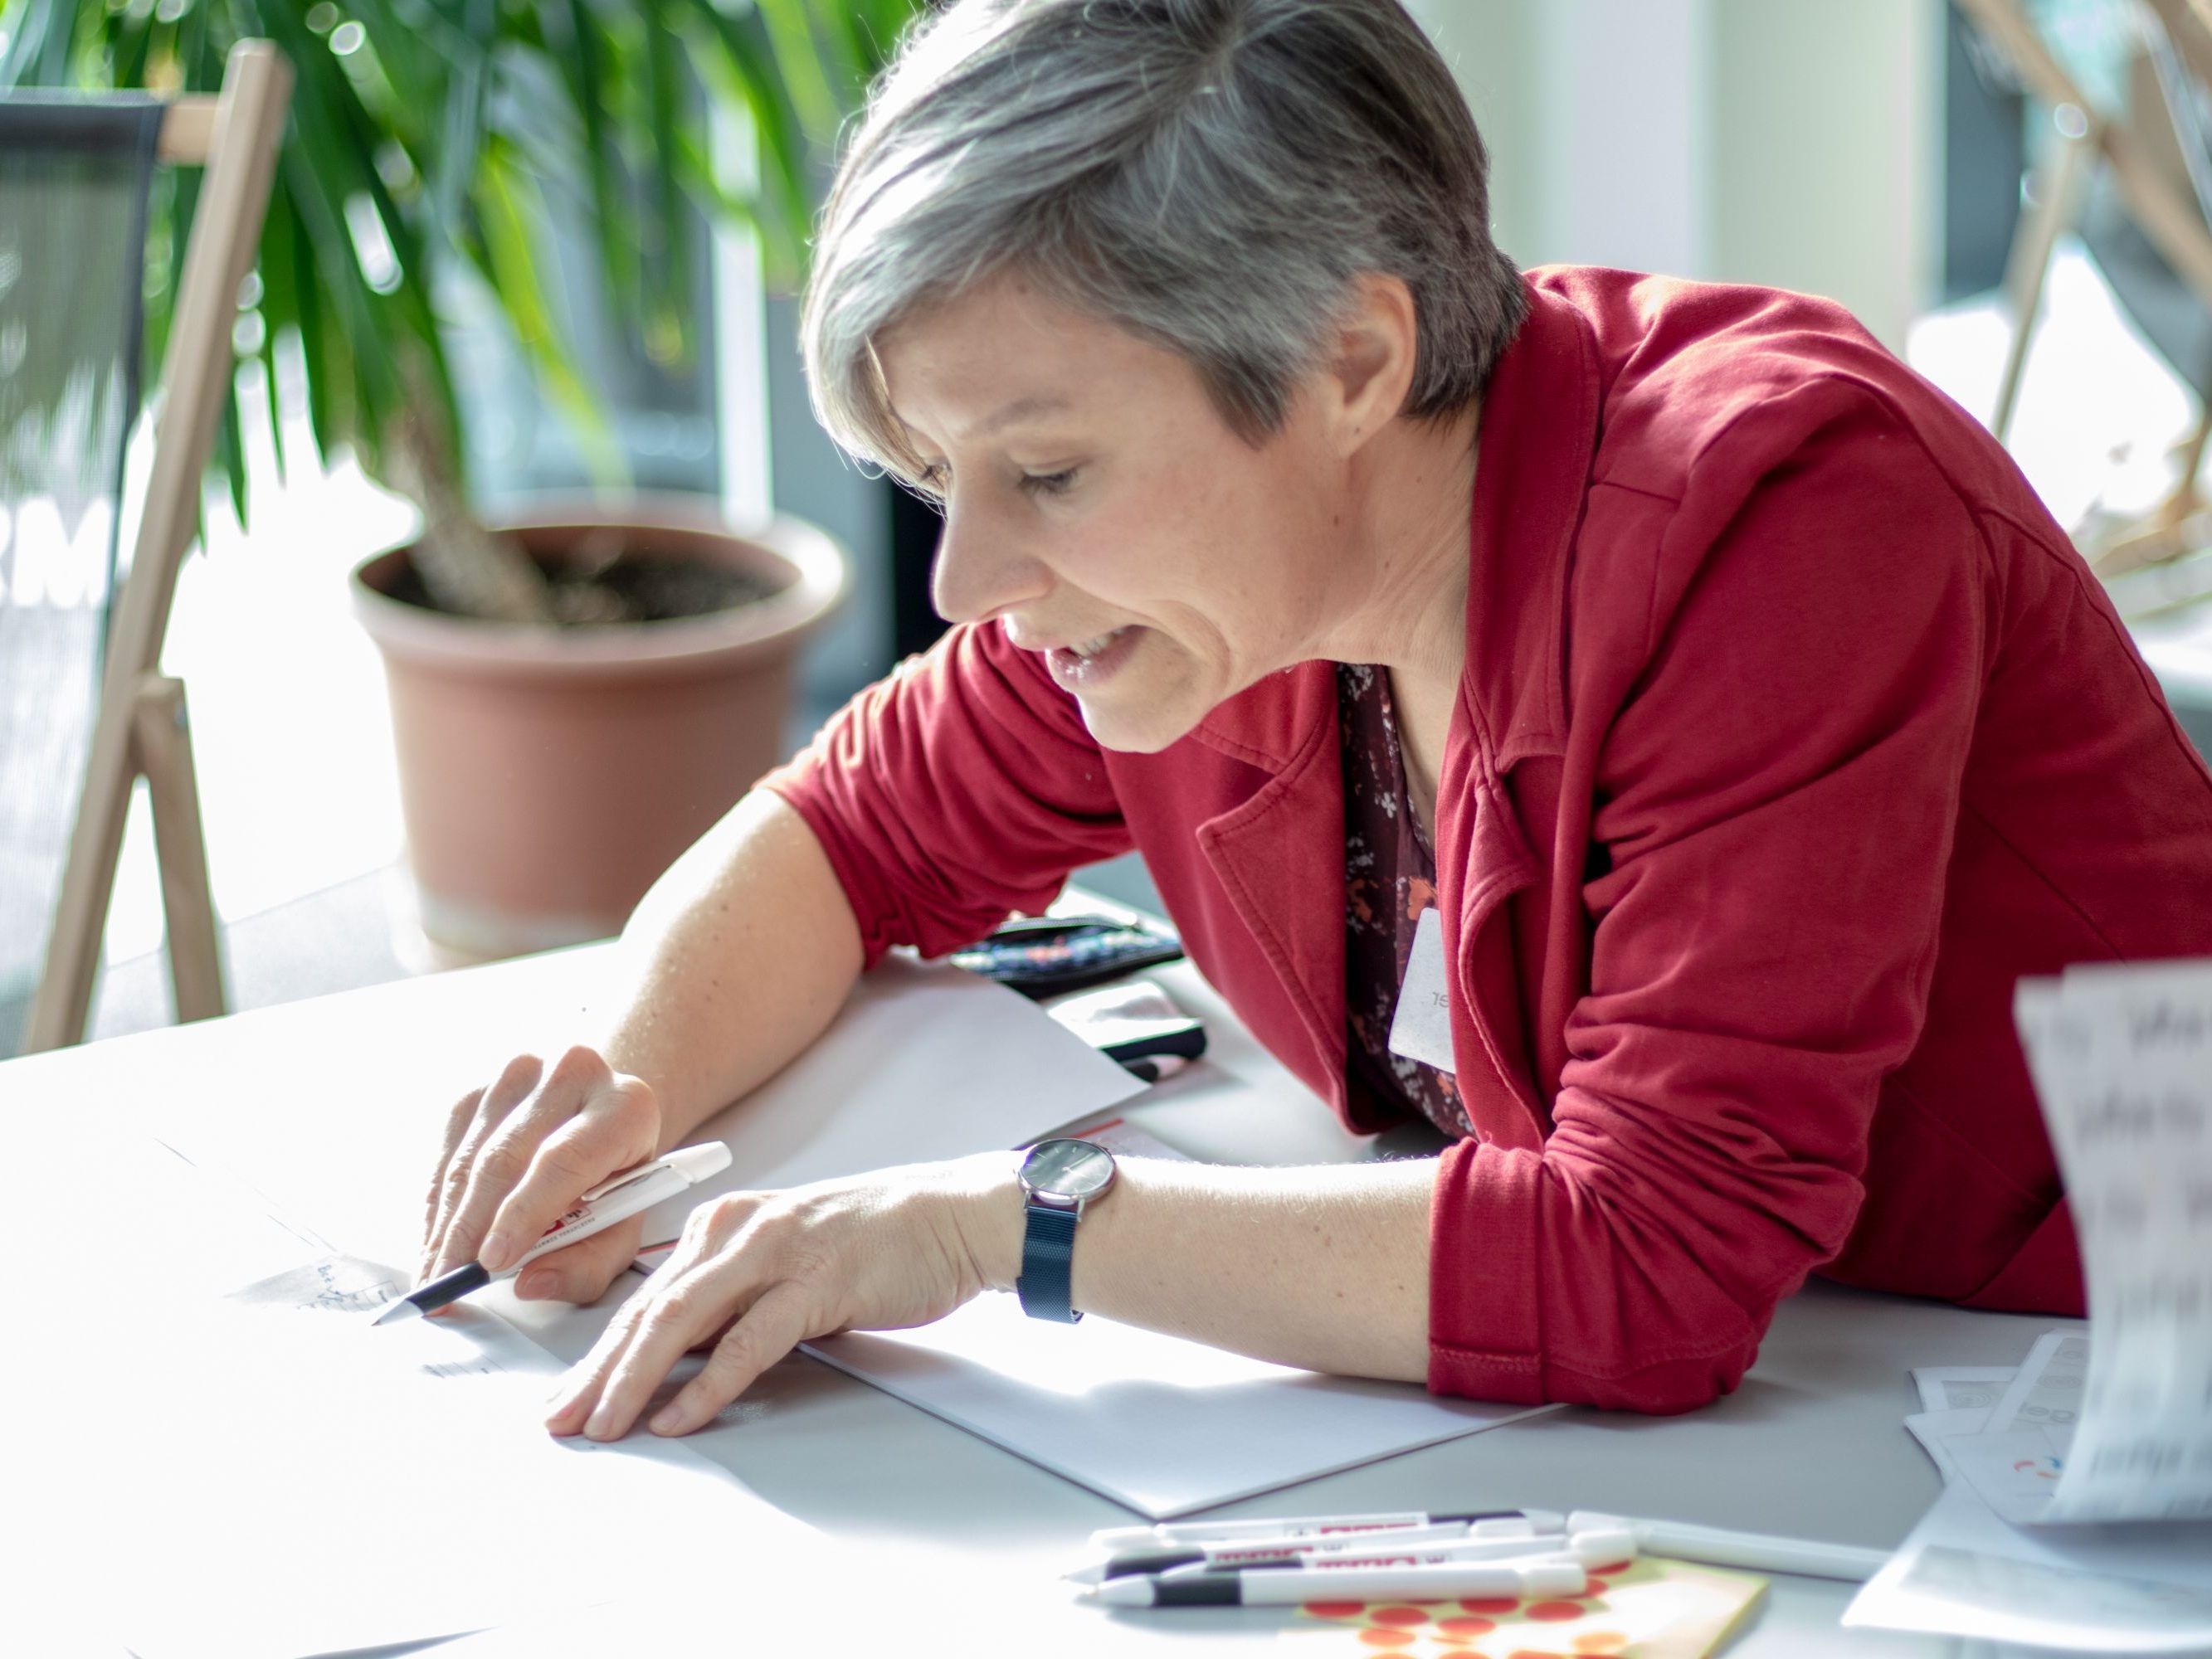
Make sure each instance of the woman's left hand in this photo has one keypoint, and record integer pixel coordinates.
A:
(764, 1272)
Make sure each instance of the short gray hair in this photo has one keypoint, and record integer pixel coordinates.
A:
(1211, 176)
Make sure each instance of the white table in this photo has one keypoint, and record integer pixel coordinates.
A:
(326, 1112)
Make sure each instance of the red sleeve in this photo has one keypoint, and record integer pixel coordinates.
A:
(1776, 796)
(960, 789)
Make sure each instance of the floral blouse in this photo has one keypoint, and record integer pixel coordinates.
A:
(1389, 878)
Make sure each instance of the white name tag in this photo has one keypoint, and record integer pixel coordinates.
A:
(1421, 1028)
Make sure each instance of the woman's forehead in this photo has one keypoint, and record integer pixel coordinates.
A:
(1004, 353)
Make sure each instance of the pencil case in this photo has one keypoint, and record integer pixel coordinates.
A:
(1044, 955)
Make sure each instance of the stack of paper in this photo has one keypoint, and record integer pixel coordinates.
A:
(2077, 1513)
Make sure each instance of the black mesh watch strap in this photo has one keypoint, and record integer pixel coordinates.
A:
(1048, 1265)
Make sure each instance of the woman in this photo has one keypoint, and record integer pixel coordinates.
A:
(1712, 694)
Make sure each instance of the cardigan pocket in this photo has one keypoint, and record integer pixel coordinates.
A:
(1496, 1080)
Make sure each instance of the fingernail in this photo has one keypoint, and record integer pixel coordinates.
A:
(492, 1254)
(665, 1419)
(603, 1421)
(538, 1282)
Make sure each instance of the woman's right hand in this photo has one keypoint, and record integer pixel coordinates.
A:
(520, 1152)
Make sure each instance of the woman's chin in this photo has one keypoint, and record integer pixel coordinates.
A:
(1130, 727)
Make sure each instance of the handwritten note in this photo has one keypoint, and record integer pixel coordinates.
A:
(2122, 1059)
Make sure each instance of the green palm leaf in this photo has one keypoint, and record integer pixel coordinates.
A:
(422, 133)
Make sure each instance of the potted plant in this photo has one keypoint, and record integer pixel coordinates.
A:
(576, 697)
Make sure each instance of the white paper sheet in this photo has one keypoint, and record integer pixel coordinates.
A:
(2121, 1058)
(2015, 1457)
(2145, 1588)
(302, 1483)
(925, 1062)
(1934, 1428)
(2108, 1427)
(1164, 1426)
(2047, 1388)
(1961, 1388)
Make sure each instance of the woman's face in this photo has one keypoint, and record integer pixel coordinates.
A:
(1100, 510)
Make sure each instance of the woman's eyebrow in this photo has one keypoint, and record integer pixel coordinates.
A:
(1022, 409)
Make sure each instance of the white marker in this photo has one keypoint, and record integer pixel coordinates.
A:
(1482, 1524)
(1409, 1546)
(1725, 1546)
(617, 1198)
(1588, 1550)
(1278, 1586)
(1265, 1551)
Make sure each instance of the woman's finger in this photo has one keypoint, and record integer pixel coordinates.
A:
(581, 1273)
(616, 1131)
(504, 1157)
(774, 1325)
(456, 1126)
(683, 1316)
(706, 1230)
(508, 1090)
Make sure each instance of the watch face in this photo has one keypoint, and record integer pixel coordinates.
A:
(1068, 1168)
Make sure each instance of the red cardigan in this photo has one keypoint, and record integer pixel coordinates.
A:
(1792, 733)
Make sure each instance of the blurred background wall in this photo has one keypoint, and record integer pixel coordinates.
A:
(1799, 145)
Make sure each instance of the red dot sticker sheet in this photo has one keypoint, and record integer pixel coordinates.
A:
(1649, 1608)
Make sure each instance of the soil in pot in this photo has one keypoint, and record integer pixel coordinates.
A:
(634, 585)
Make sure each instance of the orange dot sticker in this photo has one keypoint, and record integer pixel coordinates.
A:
(1493, 1604)
(1463, 1627)
(1399, 1616)
(1550, 1612)
(1602, 1641)
(1595, 1588)
(1336, 1609)
(1375, 1636)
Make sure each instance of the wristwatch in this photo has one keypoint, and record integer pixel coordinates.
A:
(1060, 1180)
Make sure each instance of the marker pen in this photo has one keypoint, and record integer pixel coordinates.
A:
(1278, 1586)
(1479, 1523)
(1258, 1552)
(617, 1198)
(1590, 1550)
(1725, 1546)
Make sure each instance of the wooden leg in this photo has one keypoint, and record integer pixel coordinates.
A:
(62, 1005)
(2184, 500)
(161, 737)
(2173, 529)
(2058, 186)
(196, 378)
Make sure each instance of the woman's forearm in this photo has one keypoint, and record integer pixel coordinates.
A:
(1325, 1268)
(744, 950)
(736, 959)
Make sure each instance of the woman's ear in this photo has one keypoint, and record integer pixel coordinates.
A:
(1377, 342)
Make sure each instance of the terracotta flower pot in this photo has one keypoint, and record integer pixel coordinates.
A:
(548, 775)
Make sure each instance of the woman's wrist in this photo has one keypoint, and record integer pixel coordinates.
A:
(988, 1215)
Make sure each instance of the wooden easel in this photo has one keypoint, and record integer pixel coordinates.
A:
(2172, 219)
(143, 729)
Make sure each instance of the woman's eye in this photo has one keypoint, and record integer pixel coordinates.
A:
(1048, 484)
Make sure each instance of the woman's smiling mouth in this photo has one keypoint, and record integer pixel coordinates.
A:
(1087, 664)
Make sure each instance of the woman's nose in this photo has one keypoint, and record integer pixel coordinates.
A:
(982, 568)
